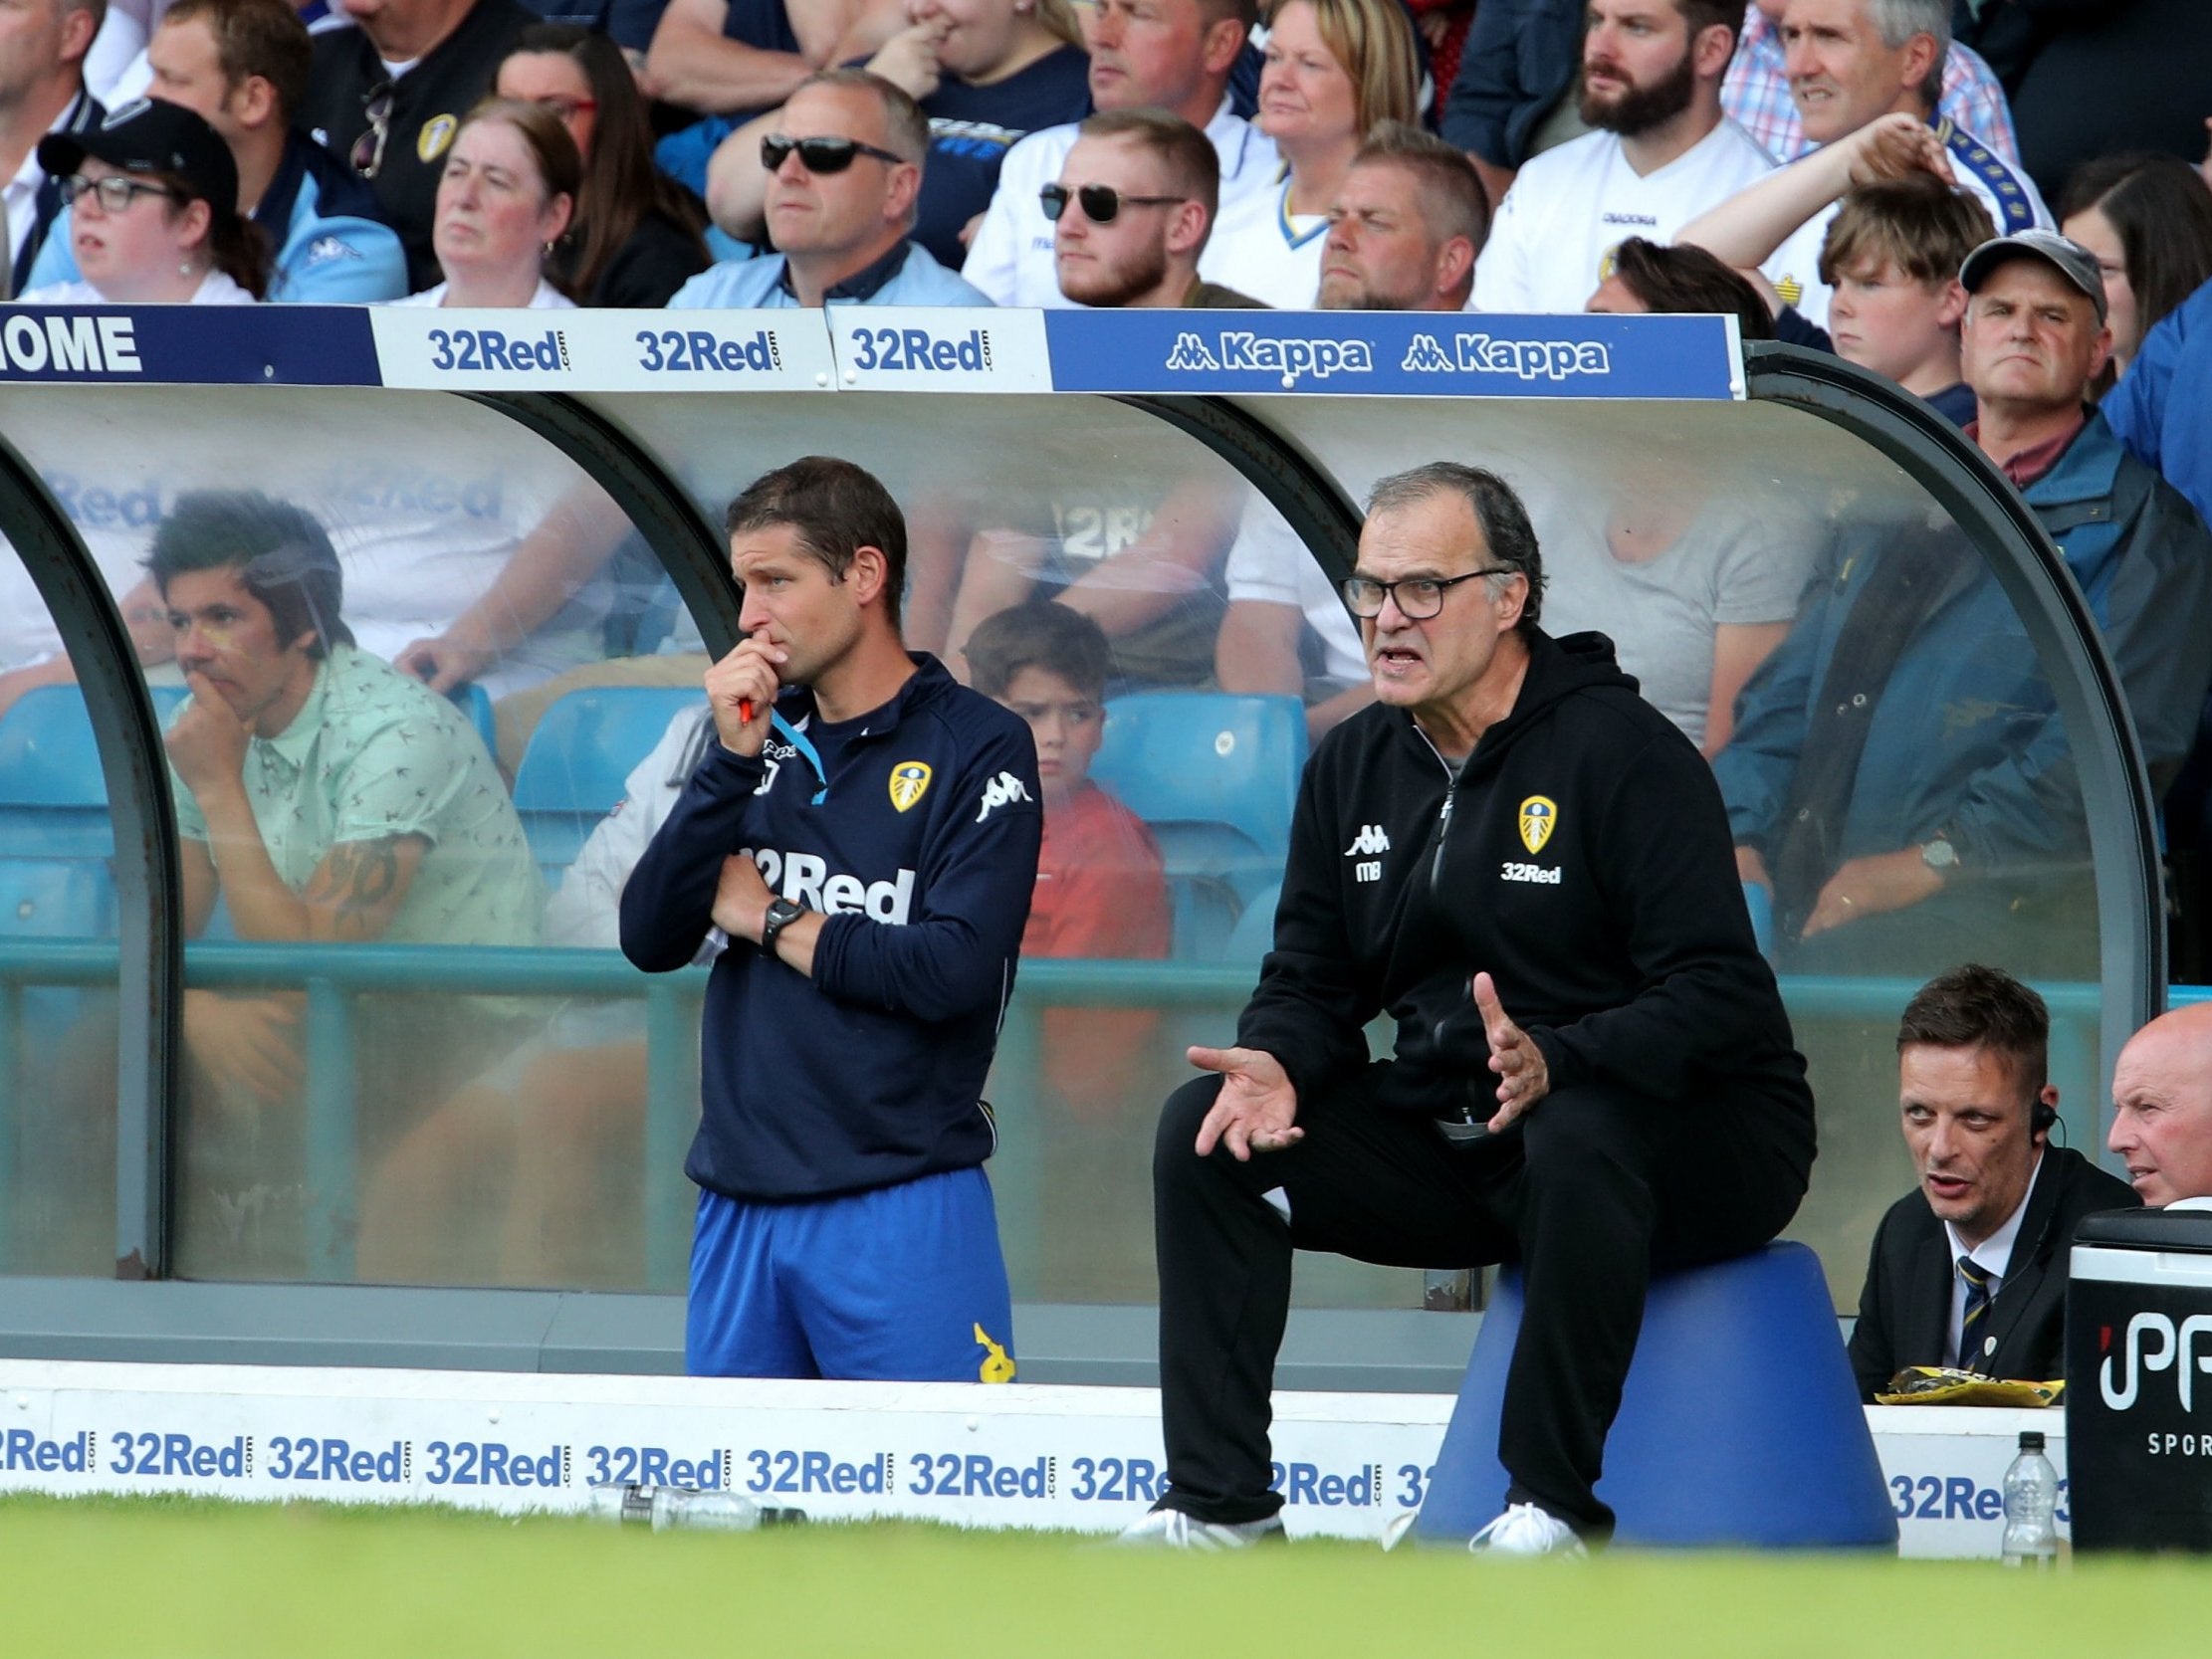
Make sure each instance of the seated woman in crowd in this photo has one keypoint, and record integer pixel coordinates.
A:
(506, 200)
(2148, 218)
(987, 73)
(634, 238)
(146, 231)
(1333, 69)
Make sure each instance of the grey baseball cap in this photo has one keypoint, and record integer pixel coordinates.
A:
(2074, 262)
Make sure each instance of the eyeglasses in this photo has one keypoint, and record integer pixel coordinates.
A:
(1420, 597)
(1101, 203)
(116, 192)
(819, 156)
(367, 155)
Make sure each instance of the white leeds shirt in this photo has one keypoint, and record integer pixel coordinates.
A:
(2007, 192)
(1262, 249)
(1570, 207)
(1011, 258)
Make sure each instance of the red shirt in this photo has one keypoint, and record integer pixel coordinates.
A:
(2033, 462)
(1101, 891)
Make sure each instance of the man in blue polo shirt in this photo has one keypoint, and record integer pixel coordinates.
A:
(845, 173)
(860, 840)
(241, 66)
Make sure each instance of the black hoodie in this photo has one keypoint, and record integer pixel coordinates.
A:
(1583, 859)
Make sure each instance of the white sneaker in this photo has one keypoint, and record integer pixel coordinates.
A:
(1173, 1529)
(1525, 1529)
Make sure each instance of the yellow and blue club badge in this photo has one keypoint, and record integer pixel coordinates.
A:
(1539, 817)
(910, 781)
(436, 133)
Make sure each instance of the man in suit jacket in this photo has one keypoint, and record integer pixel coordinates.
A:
(1969, 1269)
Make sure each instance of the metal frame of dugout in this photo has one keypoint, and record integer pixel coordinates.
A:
(1263, 403)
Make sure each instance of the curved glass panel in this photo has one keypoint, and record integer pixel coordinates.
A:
(368, 1022)
(58, 1006)
(1849, 659)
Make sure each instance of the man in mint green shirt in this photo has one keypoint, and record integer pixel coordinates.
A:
(323, 797)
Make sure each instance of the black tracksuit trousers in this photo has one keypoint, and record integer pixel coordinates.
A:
(1588, 1192)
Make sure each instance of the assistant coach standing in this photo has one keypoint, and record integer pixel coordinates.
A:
(1528, 868)
(862, 836)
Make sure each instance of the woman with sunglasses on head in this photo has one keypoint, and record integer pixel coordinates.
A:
(1331, 71)
(154, 220)
(985, 72)
(634, 239)
(505, 201)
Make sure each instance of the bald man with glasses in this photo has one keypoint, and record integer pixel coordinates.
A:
(844, 176)
(1527, 867)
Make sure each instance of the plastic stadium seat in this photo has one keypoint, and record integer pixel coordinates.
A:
(586, 745)
(1214, 776)
(475, 702)
(55, 828)
(1740, 1424)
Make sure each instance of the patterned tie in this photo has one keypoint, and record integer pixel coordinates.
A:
(1977, 1304)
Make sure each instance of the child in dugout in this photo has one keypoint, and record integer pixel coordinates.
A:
(1101, 890)
(1100, 893)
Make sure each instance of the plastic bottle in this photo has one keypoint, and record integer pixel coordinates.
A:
(2031, 1506)
(664, 1507)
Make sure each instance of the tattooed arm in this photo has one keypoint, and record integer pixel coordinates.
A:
(352, 895)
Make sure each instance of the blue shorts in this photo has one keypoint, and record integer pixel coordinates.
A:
(901, 1284)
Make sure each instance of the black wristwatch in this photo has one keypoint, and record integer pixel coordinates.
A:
(781, 914)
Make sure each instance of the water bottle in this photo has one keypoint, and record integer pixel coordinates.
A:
(666, 1506)
(2031, 1506)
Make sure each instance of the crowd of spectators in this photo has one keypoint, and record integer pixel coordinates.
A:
(1850, 175)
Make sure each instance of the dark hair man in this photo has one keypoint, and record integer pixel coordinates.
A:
(1132, 210)
(42, 90)
(1406, 227)
(323, 797)
(1662, 153)
(241, 66)
(844, 176)
(2162, 1108)
(1510, 827)
(1646, 277)
(863, 833)
(1969, 1269)
(1172, 55)
(393, 124)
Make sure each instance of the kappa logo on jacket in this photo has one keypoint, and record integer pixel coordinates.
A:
(1002, 790)
(1370, 841)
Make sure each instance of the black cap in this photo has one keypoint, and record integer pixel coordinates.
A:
(152, 136)
(2069, 259)
(2031, 1440)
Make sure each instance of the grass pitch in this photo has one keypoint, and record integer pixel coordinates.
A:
(152, 1578)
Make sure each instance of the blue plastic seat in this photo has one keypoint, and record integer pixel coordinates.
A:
(1740, 1424)
(55, 880)
(584, 747)
(1216, 777)
(475, 702)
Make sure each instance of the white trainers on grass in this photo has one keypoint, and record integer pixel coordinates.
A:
(1173, 1529)
(1526, 1530)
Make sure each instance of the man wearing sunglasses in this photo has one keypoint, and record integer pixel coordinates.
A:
(1131, 213)
(844, 176)
(1172, 55)
(1527, 865)
(389, 96)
